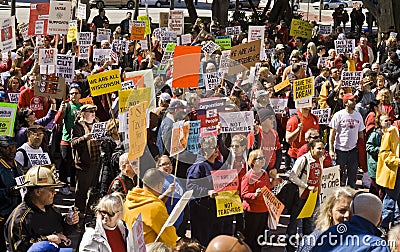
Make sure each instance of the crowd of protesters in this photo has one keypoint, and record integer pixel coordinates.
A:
(288, 144)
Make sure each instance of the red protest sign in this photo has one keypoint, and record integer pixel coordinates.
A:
(225, 180)
(186, 75)
(38, 19)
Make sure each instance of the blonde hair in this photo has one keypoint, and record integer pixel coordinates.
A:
(112, 203)
(311, 46)
(388, 96)
(252, 157)
(394, 238)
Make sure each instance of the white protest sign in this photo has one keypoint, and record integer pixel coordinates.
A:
(101, 54)
(351, 79)
(330, 181)
(210, 47)
(158, 32)
(211, 80)
(233, 30)
(256, 33)
(393, 34)
(81, 11)
(8, 34)
(225, 61)
(139, 244)
(325, 29)
(47, 56)
(120, 45)
(85, 38)
(323, 115)
(233, 122)
(103, 34)
(144, 45)
(60, 14)
(39, 158)
(303, 103)
(65, 67)
(166, 38)
(23, 30)
(99, 131)
(186, 39)
(128, 85)
(278, 105)
(322, 62)
(83, 52)
(20, 180)
(175, 21)
(13, 97)
(345, 46)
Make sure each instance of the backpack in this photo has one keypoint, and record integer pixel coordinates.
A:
(122, 184)
(26, 158)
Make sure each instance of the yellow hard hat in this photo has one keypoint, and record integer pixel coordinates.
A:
(42, 175)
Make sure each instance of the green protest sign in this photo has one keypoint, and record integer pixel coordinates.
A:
(225, 42)
(8, 112)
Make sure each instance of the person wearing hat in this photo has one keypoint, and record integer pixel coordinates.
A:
(36, 219)
(86, 153)
(126, 61)
(9, 170)
(347, 126)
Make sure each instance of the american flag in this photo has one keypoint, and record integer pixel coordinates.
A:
(114, 55)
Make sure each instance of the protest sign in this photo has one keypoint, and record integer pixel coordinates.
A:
(210, 47)
(158, 32)
(303, 103)
(99, 131)
(128, 85)
(233, 122)
(224, 42)
(393, 34)
(179, 137)
(50, 86)
(143, 44)
(60, 13)
(323, 62)
(167, 57)
(225, 180)
(137, 130)
(39, 158)
(309, 206)
(208, 111)
(20, 180)
(87, 100)
(143, 78)
(138, 30)
(131, 97)
(225, 61)
(228, 203)
(83, 52)
(167, 38)
(175, 21)
(47, 56)
(256, 33)
(13, 97)
(81, 11)
(330, 181)
(300, 28)
(72, 35)
(323, 115)
(65, 67)
(103, 34)
(8, 34)
(194, 134)
(139, 244)
(211, 80)
(23, 30)
(147, 30)
(274, 205)
(233, 30)
(325, 29)
(105, 82)
(186, 39)
(278, 105)
(38, 19)
(101, 54)
(345, 46)
(351, 79)
(85, 38)
(119, 45)
(303, 88)
(163, 19)
(245, 56)
(8, 112)
(186, 75)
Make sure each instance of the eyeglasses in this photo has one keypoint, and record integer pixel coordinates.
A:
(314, 137)
(91, 111)
(37, 134)
(166, 164)
(237, 145)
(31, 113)
(74, 93)
(210, 148)
(104, 212)
(260, 158)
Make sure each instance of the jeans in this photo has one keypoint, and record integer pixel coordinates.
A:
(391, 203)
(349, 160)
(67, 168)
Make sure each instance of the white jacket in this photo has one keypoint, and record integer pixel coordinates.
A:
(370, 54)
(95, 239)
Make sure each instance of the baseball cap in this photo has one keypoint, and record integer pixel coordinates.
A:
(175, 104)
(347, 97)
(36, 127)
(165, 97)
(46, 246)
(6, 141)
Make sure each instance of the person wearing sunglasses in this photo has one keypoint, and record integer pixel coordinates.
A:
(111, 233)
(311, 135)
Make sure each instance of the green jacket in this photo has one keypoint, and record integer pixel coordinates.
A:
(373, 145)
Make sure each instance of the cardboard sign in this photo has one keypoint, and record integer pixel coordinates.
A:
(81, 11)
(194, 134)
(325, 29)
(179, 137)
(39, 158)
(138, 235)
(83, 52)
(225, 42)
(186, 39)
(38, 19)
(278, 105)
(303, 103)
(138, 30)
(208, 111)
(50, 86)
(65, 67)
(103, 34)
(147, 30)
(300, 28)
(225, 61)
(8, 112)
(330, 181)
(234, 122)
(184, 74)
(228, 203)
(225, 180)
(245, 56)
(72, 34)
(210, 47)
(163, 19)
(211, 80)
(60, 14)
(85, 38)
(101, 54)
(233, 30)
(274, 205)
(105, 82)
(87, 100)
(303, 88)
(99, 131)
(323, 115)
(47, 56)
(175, 21)
(7, 42)
(137, 130)
(256, 33)
(345, 46)
(129, 98)
(13, 97)
(351, 79)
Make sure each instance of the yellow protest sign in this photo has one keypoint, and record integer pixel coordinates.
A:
(105, 82)
(137, 130)
(281, 85)
(228, 203)
(309, 207)
(131, 97)
(146, 19)
(303, 88)
(72, 34)
(300, 28)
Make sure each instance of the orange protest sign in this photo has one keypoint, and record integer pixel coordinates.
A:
(275, 206)
(281, 85)
(138, 30)
(184, 74)
(137, 130)
(179, 137)
(138, 80)
(87, 100)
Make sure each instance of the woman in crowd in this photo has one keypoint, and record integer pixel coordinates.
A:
(110, 233)
(385, 98)
(374, 110)
(13, 84)
(334, 210)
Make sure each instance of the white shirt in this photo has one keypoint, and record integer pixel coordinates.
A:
(19, 157)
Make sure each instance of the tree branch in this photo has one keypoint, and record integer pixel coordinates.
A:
(373, 8)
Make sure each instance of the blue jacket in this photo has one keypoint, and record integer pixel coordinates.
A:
(9, 200)
(179, 191)
(356, 235)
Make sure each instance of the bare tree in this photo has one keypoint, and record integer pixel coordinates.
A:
(386, 12)
(192, 11)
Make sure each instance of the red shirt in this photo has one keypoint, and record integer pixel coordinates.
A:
(313, 177)
(250, 183)
(240, 165)
(327, 158)
(40, 105)
(269, 145)
(115, 240)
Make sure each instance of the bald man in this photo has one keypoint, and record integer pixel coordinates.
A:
(358, 234)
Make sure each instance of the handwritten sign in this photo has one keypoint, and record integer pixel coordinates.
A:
(168, 37)
(225, 61)
(131, 97)
(47, 56)
(225, 42)
(325, 29)
(101, 54)
(233, 122)
(103, 34)
(211, 80)
(278, 105)
(194, 134)
(105, 82)
(8, 34)
(245, 56)
(175, 21)
(137, 130)
(330, 181)
(179, 137)
(228, 203)
(163, 19)
(85, 38)
(256, 33)
(8, 112)
(60, 14)
(138, 235)
(351, 79)
(13, 97)
(323, 115)
(186, 39)
(138, 30)
(81, 11)
(300, 28)
(303, 88)
(120, 45)
(99, 131)
(225, 180)
(39, 158)
(345, 46)
(210, 47)
(274, 205)
(233, 30)
(72, 34)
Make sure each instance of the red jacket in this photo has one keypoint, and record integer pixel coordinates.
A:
(250, 183)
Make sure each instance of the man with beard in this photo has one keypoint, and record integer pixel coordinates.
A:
(347, 127)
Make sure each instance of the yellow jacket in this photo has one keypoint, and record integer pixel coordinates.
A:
(388, 158)
(154, 214)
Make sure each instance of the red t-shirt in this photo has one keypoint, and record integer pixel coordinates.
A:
(313, 178)
(240, 165)
(115, 240)
(327, 158)
(365, 58)
(250, 183)
(269, 145)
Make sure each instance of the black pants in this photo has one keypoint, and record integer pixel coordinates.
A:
(67, 168)
(292, 227)
(254, 225)
(85, 180)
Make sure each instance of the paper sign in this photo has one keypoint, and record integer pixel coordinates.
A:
(228, 203)
(208, 111)
(39, 158)
(105, 82)
(163, 19)
(47, 56)
(179, 137)
(225, 180)
(72, 35)
(186, 39)
(8, 112)
(85, 38)
(8, 34)
(158, 32)
(83, 52)
(274, 205)
(65, 67)
(330, 181)
(278, 105)
(225, 42)
(303, 88)
(303, 103)
(87, 100)
(211, 80)
(166, 38)
(345, 46)
(147, 30)
(20, 180)
(323, 115)
(38, 19)
(23, 30)
(225, 61)
(128, 85)
(351, 79)
(119, 45)
(13, 97)
(99, 131)
(393, 34)
(309, 207)
(81, 11)
(137, 130)
(103, 34)
(184, 74)
(325, 29)
(101, 54)
(138, 235)
(234, 122)
(175, 21)
(245, 56)
(233, 30)
(194, 134)
(300, 28)
(256, 33)
(129, 98)
(210, 47)
(138, 30)
(50, 86)
(60, 14)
